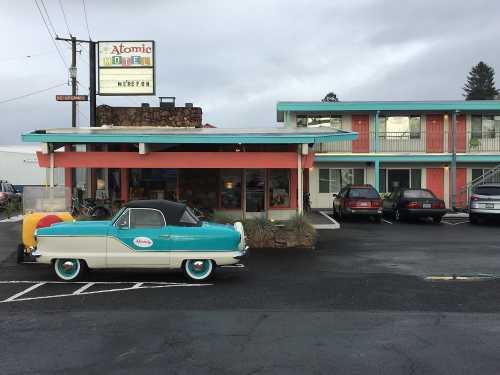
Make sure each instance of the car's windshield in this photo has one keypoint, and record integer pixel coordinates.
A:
(416, 193)
(488, 190)
(363, 193)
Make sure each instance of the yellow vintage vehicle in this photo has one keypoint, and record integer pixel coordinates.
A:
(42, 206)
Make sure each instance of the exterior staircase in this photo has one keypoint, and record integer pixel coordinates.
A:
(491, 176)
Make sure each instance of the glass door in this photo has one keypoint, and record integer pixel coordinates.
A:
(255, 195)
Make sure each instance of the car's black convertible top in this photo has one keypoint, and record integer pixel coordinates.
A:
(172, 211)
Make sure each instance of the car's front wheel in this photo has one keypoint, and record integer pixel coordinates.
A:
(69, 269)
(199, 269)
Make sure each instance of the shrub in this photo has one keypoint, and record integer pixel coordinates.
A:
(260, 232)
(301, 225)
(222, 218)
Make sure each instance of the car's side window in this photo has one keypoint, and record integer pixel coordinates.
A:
(123, 220)
(146, 218)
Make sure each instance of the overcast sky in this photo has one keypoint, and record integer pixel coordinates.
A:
(236, 59)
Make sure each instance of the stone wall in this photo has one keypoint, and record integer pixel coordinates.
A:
(149, 116)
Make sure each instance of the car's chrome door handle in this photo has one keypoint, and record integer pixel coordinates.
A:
(165, 235)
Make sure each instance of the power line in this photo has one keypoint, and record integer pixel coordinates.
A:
(86, 19)
(28, 56)
(50, 35)
(31, 93)
(48, 18)
(64, 16)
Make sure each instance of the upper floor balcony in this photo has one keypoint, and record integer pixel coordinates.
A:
(416, 142)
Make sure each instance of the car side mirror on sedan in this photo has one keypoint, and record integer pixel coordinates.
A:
(335, 195)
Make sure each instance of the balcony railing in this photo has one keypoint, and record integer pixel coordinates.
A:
(424, 142)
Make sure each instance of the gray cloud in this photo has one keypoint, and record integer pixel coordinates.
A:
(237, 59)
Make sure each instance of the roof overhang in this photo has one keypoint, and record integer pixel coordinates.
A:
(189, 136)
(470, 106)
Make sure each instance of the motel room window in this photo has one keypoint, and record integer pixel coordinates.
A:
(485, 126)
(319, 122)
(478, 172)
(392, 179)
(400, 127)
(332, 180)
(279, 188)
(230, 188)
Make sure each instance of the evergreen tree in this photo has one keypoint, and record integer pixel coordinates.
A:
(330, 97)
(480, 83)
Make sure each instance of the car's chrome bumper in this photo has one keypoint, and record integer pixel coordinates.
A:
(242, 254)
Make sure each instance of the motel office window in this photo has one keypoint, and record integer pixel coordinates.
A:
(332, 180)
(400, 127)
(319, 122)
(279, 188)
(485, 126)
(230, 188)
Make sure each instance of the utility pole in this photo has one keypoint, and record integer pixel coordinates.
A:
(454, 160)
(92, 78)
(92, 83)
(73, 80)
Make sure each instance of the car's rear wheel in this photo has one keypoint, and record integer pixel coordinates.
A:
(397, 215)
(473, 219)
(69, 269)
(199, 269)
(20, 253)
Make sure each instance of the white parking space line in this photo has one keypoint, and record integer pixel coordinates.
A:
(27, 290)
(163, 285)
(137, 285)
(83, 288)
(387, 221)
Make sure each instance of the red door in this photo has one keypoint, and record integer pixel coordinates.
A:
(435, 133)
(460, 136)
(361, 125)
(460, 183)
(435, 181)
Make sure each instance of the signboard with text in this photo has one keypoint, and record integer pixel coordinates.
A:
(126, 68)
(72, 98)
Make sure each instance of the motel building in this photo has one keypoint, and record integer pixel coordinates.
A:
(400, 144)
(165, 153)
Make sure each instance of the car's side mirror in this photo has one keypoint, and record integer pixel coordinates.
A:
(335, 195)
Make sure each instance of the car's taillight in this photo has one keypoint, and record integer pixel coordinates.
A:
(439, 204)
(413, 205)
(376, 204)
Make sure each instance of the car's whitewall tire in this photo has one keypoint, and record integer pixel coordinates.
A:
(199, 269)
(69, 269)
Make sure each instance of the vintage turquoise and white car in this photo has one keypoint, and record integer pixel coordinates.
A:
(143, 234)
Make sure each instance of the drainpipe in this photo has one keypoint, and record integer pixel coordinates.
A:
(376, 131)
(377, 174)
(300, 181)
(453, 160)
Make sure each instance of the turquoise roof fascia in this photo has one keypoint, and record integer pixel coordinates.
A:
(189, 138)
(395, 106)
(444, 158)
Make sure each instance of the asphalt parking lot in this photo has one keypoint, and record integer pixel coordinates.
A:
(359, 304)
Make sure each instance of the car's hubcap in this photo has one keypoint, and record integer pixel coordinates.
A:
(68, 267)
(199, 268)
(198, 265)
